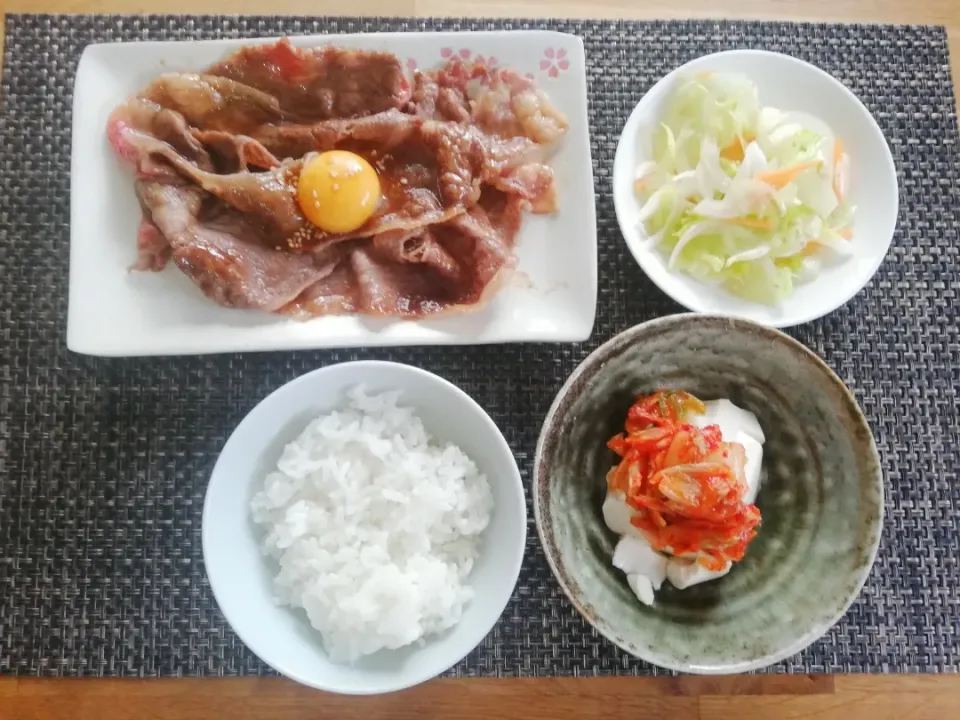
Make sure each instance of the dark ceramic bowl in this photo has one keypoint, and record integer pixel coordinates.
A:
(821, 495)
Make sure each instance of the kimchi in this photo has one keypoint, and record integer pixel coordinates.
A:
(684, 484)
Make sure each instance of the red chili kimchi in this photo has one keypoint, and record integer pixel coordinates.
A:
(685, 484)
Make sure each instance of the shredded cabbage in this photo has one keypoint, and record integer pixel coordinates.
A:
(743, 195)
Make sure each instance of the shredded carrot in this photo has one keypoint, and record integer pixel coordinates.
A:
(784, 176)
(814, 246)
(734, 151)
(837, 154)
(705, 74)
(752, 223)
(639, 185)
(837, 151)
(811, 248)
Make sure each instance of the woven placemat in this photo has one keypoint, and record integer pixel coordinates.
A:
(104, 463)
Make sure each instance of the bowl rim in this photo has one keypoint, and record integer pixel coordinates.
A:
(597, 357)
(667, 283)
(514, 561)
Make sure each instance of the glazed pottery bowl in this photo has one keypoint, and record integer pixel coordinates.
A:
(821, 495)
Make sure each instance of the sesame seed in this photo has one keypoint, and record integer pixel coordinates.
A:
(335, 187)
(403, 181)
(316, 203)
(314, 193)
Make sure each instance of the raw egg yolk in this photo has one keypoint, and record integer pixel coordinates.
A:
(338, 191)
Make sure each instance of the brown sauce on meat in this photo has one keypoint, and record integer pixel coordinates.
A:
(218, 152)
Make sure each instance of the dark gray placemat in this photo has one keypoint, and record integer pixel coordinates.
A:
(104, 463)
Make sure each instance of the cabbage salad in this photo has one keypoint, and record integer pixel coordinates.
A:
(745, 196)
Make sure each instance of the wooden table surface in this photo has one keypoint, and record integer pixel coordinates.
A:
(689, 698)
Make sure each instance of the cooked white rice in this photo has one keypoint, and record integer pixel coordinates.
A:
(375, 526)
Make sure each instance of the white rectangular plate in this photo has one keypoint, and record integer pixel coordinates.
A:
(116, 312)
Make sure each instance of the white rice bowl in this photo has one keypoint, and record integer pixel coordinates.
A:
(374, 526)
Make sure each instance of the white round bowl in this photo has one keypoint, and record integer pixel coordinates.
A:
(787, 84)
(241, 576)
